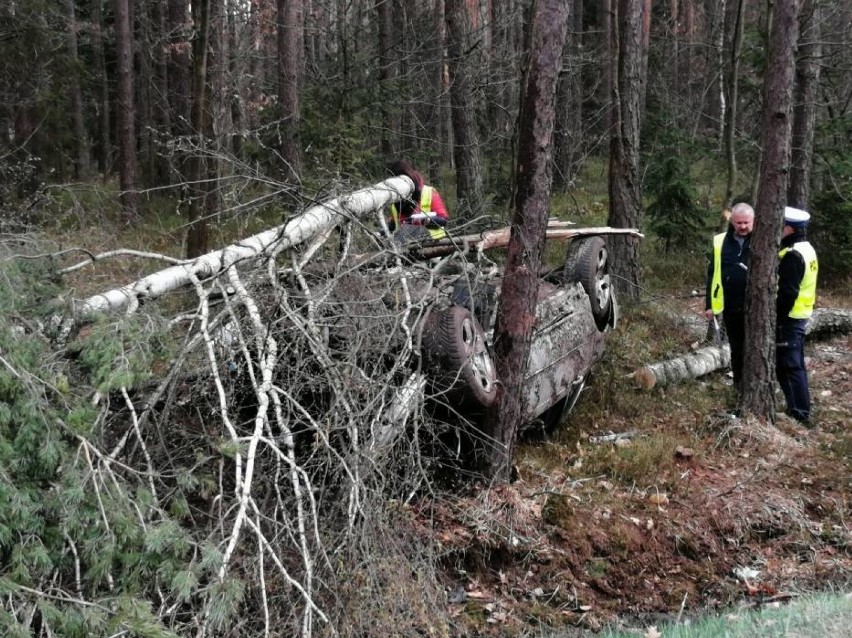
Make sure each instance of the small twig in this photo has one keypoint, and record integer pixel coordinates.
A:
(123, 252)
(682, 605)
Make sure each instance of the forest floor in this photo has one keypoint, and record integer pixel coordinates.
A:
(697, 512)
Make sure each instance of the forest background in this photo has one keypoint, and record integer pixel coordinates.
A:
(175, 127)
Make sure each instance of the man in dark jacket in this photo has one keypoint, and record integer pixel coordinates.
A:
(797, 279)
(727, 276)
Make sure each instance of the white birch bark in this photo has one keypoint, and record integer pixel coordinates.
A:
(313, 221)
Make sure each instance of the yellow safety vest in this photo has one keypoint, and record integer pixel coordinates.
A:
(717, 295)
(803, 307)
(425, 207)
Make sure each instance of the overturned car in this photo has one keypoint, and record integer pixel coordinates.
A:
(576, 307)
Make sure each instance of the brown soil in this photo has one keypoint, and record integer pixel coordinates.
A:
(559, 548)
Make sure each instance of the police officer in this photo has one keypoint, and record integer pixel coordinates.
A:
(727, 276)
(797, 278)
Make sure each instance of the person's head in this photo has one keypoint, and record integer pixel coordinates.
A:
(742, 219)
(404, 167)
(795, 220)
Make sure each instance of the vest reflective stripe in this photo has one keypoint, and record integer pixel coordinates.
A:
(425, 207)
(717, 296)
(803, 307)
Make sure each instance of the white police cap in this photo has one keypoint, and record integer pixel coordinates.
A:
(795, 216)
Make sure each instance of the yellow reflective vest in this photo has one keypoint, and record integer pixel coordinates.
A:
(435, 232)
(803, 307)
(717, 295)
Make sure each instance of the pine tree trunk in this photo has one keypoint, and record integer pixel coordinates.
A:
(568, 134)
(625, 191)
(104, 140)
(732, 98)
(290, 59)
(516, 313)
(804, 104)
(126, 108)
(465, 137)
(387, 78)
(759, 370)
(81, 139)
(196, 240)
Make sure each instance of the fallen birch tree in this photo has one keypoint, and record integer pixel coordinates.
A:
(825, 322)
(314, 221)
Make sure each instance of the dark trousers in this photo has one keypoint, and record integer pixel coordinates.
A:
(735, 327)
(790, 368)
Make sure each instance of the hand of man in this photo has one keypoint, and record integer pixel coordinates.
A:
(708, 313)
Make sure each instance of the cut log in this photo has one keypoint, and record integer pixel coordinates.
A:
(826, 322)
(689, 366)
(499, 238)
(312, 222)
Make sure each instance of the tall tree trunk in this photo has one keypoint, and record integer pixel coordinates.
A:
(81, 139)
(238, 71)
(196, 240)
(290, 58)
(625, 189)
(732, 98)
(387, 78)
(516, 313)
(464, 109)
(568, 134)
(126, 108)
(758, 369)
(804, 104)
(178, 69)
(162, 114)
(606, 16)
(104, 148)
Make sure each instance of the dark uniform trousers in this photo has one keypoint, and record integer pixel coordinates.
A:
(790, 367)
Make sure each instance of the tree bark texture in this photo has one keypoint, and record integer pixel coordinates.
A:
(311, 223)
(516, 313)
(126, 108)
(75, 94)
(196, 239)
(290, 59)
(808, 64)
(625, 189)
(104, 148)
(387, 77)
(731, 100)
(759, 369)
(568, 133)
(464, 108)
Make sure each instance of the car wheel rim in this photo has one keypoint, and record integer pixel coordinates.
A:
(477, 355)
(603, 284)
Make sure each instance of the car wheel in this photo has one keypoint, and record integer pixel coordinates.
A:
(590, 266)
(466, 359)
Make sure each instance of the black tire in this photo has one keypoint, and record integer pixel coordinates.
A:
(468, 369)
(588, 263)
